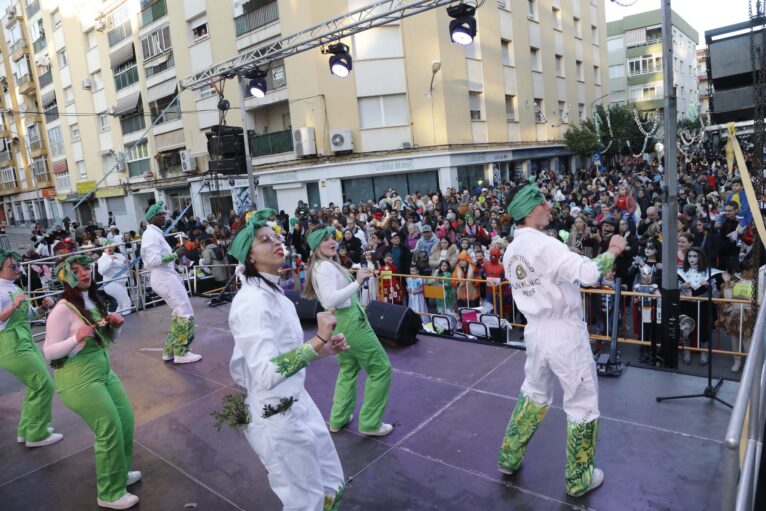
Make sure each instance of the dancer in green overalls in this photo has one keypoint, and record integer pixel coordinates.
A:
(78, 335)
(20, 356)
(334, 287)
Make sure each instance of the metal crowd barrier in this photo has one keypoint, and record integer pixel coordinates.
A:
(741, 462)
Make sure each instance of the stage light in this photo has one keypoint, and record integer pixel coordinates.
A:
(340, 60)
(462, 28)
(257, 85)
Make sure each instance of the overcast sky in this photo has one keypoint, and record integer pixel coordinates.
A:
(702, 15)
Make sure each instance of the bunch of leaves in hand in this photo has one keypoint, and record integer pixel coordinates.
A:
(234, 414)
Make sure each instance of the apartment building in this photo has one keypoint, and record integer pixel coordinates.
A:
(417, 112)
(635, 62)
(703, 86)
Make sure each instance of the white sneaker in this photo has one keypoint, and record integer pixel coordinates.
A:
(383, 430)
(126, 501)
(133, 477)
(52, 439)
(737, 365)
(187, 359)
(506, 471)
(23, 440)
(167, 358)
(598, 478)
(335, 430)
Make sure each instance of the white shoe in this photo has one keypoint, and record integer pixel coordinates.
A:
(52, 439)
(737, 365)
(23, 440)
(187, 359)
(167, 358)
(335, 430)
(598, 478)
(506, 471)
(383, 430)
(126, 501)
(133, 477)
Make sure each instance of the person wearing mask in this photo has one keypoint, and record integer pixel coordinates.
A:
(545, 277)
(159, 259)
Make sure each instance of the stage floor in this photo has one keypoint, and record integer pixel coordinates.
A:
(450, 402)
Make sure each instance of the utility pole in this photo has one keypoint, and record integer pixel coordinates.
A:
(669, 290)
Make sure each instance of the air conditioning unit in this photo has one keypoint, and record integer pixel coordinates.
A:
(341, 141)
(188, 162)
(43, 60)
(100, 25)
(86, 84)
(305, 142)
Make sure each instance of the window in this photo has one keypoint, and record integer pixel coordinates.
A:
(138, 159)
(133, 123)
(103, 122)
(55, 142)
(9, 175)
(539, 110)
(33, 133)
(156, 43)
(578, 27)
(507, 50)
(556, 18)
(535, 59)
(649, 93)
(62, 181)
(169, 163)
(597, 75)
(532, 9)
(615, 44)
(617, 71)
(510, 108)
(51, 111)
(382, 111)
(63, 59)
(56, 19)
(75, 132)
(160, 64)
(172, 114)
(645, 64)
(560, 66)
(199, 31)
(206, 92)
(92, 39)
(594, 34)
(125, 74)
(580, 74)
(82, 170)
(68, 95)
(581, 111)
(563, 114)
(474, 101)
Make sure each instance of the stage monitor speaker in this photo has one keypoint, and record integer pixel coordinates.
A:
(306, 309)
(395, 322)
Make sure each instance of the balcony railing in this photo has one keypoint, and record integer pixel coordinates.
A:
(32, 8)
(257, 18)
(18, 45)
(39, 44)
(154, 12)
(133, 123)
(171, 115)
(270, 143)
(5, 156)
(11, 186)
(647, 71)
(45, 79)
(119, 33)
(126, 78)
(36, 145)
(52, 114)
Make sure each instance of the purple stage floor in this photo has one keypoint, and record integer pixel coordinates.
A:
(450, 402)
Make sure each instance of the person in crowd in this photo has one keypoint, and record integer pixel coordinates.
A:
(20, 356)
(336, 288)
(353, 246)
(78, 334)
(444, 250)
(581, 238)
(415, 289)
(545, 277)
(426, 241)
(737, 320)
(413, 236)
(467, 291)
(159, 259)
(269, 359)
(213, 262)
(445, 305)
(113, 268)
(728, 228)
(685, 242)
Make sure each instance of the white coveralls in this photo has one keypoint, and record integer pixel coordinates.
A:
(545, 277)
(268, 360)
(167, 283)
(109, 266)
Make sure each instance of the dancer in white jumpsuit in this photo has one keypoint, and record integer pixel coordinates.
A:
(114, 269)
(545, 277)
(286, 429)
(158, 258)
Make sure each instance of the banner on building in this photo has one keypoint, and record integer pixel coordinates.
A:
(111, 191)
(241, 198)
(84, 187)
(48, 192)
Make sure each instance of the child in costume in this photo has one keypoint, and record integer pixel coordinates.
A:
(415, 284)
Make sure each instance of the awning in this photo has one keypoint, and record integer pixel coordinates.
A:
(48, 97)
(121, 55)
(158, 60)
(128, 104)
(60, 167)
(162, 90)
(170, 140)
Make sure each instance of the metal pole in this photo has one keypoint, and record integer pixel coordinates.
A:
(248, 160)
(669, 290)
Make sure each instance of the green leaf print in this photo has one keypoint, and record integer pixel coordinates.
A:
(293, 361)
(525, 419)
(581, 453)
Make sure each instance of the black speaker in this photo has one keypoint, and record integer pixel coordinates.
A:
(306, 309)
(395, 322)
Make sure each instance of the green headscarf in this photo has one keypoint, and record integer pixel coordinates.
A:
(293, 221)
(4, 254)
(316, 237)
(525, 200)
(240, 246)
(66, 274)
(154, 210)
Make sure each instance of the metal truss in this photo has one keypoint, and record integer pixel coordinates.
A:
(373, 15)
(758, 61)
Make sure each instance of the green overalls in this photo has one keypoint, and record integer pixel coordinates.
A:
(89, 387)
(20, 356)
(366, 353)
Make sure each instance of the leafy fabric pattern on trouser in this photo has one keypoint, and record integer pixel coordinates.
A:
(332, 502)
(581, 453)
(525, 419)
(180, 336)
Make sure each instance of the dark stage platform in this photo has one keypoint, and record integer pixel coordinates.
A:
(450, 402)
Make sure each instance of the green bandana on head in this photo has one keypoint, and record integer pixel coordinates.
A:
(243, 241)
(108, 243)
(4, 254)
(154, 210)
(525, 201)
(66, 274)
(316, 237)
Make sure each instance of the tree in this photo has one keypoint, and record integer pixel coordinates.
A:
(626, 138)
(581, 140)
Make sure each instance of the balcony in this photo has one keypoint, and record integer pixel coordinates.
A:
(126, 78)
(133, 123)
(33, 8)
(25, 84)
(270, 143)
(153, 12)
(39, 44)
(256, 18)
(9, 188)
(18, 49)
(119, 33)
(37, 148)
(5, 156)
(52, 114)
(43, 179)
(647, 71)
(45, 79)
(172, 114)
